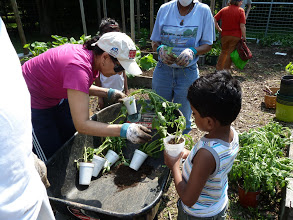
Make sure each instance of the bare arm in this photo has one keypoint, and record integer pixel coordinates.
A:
(248, 10)
(155, 45)
(243, 31)
(79, 108)
(125, 83)
(203, 165)
(217, 26)
(98, 91)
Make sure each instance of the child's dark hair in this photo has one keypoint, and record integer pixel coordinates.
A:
(217, 95)
(108, 25)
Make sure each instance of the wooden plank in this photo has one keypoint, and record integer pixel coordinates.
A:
(19, 26)
(151, 16)
(99, 11)
(132, 23)
(105, 8)
(83, 17)
(123, 16)
(138, 17)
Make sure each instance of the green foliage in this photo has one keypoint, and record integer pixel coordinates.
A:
(261, 162)
(37, 47)
(152, 149)
(144, 36)
(216, 49)
(276, 39)
(289, 68)
(147, 62)
(165, 110)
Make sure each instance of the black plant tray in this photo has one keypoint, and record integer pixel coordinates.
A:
(103, 199)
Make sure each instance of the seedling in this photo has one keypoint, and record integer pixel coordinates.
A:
(151, 149)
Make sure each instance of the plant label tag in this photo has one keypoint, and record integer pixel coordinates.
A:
(146, 120)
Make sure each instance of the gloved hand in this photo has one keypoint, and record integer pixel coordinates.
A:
(115, 95)
(185, 57)
(165, 57)
(135, 133)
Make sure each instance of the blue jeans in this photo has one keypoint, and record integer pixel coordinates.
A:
(173, 83)
(53, 127)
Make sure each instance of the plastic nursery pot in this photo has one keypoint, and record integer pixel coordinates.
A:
(111, 158)
(249, 199)
(271, 100)
(173, 149)
(99, 164)
(137, 159)
(130, 104)
(85, 173)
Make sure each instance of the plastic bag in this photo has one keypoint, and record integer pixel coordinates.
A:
(238, 62)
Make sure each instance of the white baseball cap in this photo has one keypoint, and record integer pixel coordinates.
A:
(120, 46)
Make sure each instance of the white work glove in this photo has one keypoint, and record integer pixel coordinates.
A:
(185, 57)
(115, 95)
(135, 133)
(165, 57)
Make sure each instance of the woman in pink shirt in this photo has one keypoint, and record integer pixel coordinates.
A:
(233, 28)
(60, 82)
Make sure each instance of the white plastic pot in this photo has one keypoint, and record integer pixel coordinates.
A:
(85, 173)
(137, 159)
(130, 104)
(173, 149)
(111, 158)
(99, 164)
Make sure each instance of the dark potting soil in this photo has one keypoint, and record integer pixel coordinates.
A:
(172, 141)
(126, 177)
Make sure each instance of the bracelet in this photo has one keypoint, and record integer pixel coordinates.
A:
(110, 93)
(194, 50)
(159, 47)
(123, 130)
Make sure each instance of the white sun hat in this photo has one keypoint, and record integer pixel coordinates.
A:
(120, 46)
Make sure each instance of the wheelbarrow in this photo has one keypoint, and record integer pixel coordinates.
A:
(102, 199)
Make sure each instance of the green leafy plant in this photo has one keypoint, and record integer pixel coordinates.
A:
(289, 68)
(166, 112)
(152, 149)
(37, 47)
(147, 62)
(261, 163)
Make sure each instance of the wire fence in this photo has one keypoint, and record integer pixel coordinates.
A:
(270, 18)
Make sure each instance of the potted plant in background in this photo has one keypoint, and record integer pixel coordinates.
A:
(145, 150)
(261, 164)
(213, 54)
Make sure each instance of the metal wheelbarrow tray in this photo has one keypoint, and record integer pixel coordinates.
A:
(102, 199)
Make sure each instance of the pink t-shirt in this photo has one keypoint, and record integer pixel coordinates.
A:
(49, 75)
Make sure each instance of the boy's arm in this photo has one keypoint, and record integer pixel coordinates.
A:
(204, 165)
(125, 83)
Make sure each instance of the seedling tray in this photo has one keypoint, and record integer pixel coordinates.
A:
(103, 199)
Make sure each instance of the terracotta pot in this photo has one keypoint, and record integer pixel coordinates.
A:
(271, 100)
(249, 199)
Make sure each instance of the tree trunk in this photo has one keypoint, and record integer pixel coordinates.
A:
(45, 10)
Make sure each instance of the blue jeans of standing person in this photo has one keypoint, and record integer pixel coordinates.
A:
(53, 127)
(173, 83)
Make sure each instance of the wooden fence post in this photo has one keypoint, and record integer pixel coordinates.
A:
(123, 16)
(132, 23)
(82, 17)
(19, 26)
(99, 12)
(105, 8)
(151, 16)
(138, 18)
